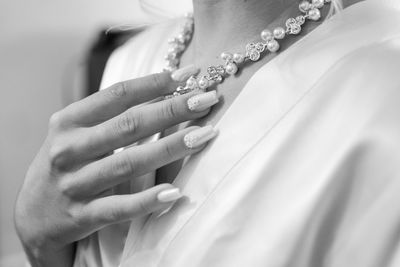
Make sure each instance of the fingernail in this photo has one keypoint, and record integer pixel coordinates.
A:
(203, 101)
(198, 137)
(169, 195)
(182, 74)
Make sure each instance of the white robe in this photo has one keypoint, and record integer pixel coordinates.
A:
(305, 171)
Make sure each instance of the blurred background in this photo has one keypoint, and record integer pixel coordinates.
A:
(51, 54)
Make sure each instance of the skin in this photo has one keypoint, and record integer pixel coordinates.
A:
(216, 31)
(66, 194)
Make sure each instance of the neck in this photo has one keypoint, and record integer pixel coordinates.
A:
(222, 24)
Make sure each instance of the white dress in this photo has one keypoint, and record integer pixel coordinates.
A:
(309, 176)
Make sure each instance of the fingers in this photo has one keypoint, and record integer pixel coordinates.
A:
(119, 97)
(138, 160)
(137, 123)
(119, 208)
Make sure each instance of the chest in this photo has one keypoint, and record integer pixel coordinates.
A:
(228, 92)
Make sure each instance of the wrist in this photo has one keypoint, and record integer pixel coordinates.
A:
(44, 256)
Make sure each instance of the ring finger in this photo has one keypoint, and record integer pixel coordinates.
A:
(138, 160)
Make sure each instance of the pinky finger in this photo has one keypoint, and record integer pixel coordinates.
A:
(119, 208)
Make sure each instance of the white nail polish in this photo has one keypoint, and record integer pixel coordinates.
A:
(169, 195)
(182, 74)
(198, 137)
(202, 101)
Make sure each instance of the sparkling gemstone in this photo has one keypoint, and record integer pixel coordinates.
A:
(181, 38)
(314, 14)
(260, 47)
(170, 56)
(172, 49)
(267, 35)
(174, 62)
(203, 82)
(226, 56)
(250, 46)
(180, 89)
(191, 83)
(304, 6)
(279, 33)
(254, 55)
(219, 79)
(180, 47)
(295, 29)
(215, 73)
(318, 3)
(238, 58)
(300, 20)
(273, 46)
(171, 40)
(290, 22)
(231, 68)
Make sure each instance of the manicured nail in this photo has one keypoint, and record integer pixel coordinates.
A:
(169, 195)
(203, 101)
(198, 137)
(182, 74)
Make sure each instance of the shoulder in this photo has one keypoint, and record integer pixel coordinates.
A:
(371, 71)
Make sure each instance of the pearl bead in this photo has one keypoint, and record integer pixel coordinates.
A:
(191, 83)
(318, 3)
(226, 56)
(203, 83)
(238, 58)
(279, 33)
(273, 46)
(266, 35)
(181, 38)
(314, 14)
(172, 50)
(231, 68)
(304, 6)
(219, 79)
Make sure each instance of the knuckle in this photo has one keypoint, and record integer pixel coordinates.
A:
(170, 109)
(122, 167)
(77, 214)
(144, 206)
(119, 90)
(56, 120)
(157, 81)
(113, 214)
(59, 154)
(169, 151)
(128, 123)
(67, 187)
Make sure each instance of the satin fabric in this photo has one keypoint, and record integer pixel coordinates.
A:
(305, 170)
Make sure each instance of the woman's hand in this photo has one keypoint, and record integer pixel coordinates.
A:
(67, 191)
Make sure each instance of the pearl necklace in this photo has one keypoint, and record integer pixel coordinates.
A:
(232, 61)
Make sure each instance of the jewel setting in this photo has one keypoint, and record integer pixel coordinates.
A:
(270, 42)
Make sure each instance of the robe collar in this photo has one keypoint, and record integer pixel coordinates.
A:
(269, 96)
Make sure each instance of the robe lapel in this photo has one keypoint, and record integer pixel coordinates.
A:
(272, 93)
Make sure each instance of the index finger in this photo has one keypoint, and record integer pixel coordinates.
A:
(121, 96)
